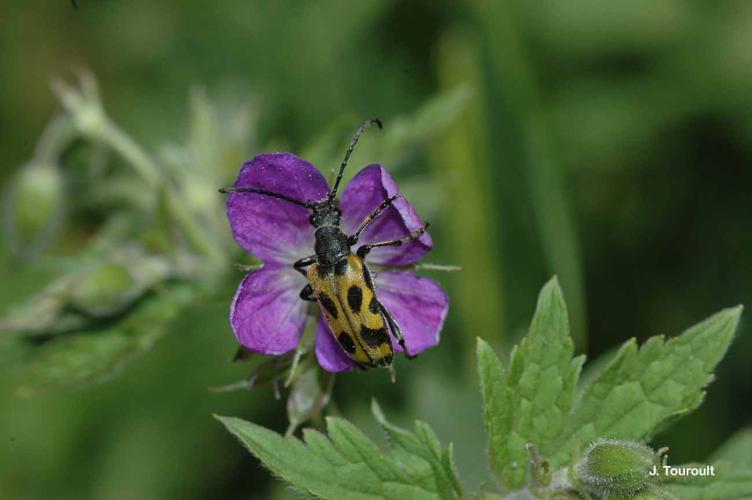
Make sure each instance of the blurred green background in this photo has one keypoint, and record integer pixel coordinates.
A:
(606, 142)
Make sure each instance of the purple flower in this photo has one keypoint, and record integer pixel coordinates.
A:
(267, 313)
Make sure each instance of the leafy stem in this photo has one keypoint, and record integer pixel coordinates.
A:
(84, 108)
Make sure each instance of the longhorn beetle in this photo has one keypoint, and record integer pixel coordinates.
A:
(340, 281)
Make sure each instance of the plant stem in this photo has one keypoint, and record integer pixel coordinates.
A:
(121, 142)
(56, 136)
(110, 134)
(193, 231)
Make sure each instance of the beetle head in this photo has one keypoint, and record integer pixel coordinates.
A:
(325, 213)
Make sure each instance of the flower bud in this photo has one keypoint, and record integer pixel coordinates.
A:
(612, 467)
(34, 207)
(82, 103)
(309, 394)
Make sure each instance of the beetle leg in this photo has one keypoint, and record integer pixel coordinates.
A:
(359, 365)
(353, 239)
(307, 293)
(365, 249)
(396, 332)
(301, 264)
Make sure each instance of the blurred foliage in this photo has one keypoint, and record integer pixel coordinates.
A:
(608, 143)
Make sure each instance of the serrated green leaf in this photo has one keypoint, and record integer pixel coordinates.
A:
(496, 414)
(594, 368)
(643, 389)
(447, 458)
(79, 358)
(727, 484)
(422, 452)
(302, 465)
(346, 464)
(530, 404)
(736, 451)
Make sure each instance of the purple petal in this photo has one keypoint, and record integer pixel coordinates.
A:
(271, 229)
(419, 306)
(330, 355)
(366, 191)
(267, 314)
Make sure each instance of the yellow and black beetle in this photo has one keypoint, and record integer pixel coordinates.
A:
(340, 281)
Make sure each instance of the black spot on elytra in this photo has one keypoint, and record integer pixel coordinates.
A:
(355, 298)
(374, 305)
(346, 342)
(374, 337)
(340, 268)
(328, 304)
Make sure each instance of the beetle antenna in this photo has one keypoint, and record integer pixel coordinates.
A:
(271, 194)
(366, 124)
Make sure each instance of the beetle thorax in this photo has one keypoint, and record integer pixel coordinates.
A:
(331, 245)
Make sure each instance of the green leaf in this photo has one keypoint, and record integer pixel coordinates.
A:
(733, 467)
(737, 450)
(496, 412)
(423, 453)
(530, 403)
(346, 464)
(644, 389)
(91, 356)
(727, 483)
